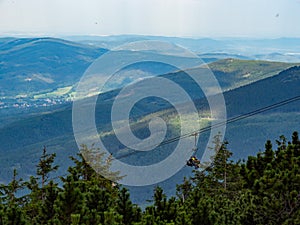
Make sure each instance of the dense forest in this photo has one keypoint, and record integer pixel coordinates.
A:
(263, 189)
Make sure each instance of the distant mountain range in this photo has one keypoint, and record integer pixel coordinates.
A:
(243, 47)
(33, 65)
(40, 65)
(38, 76)
(42, 72)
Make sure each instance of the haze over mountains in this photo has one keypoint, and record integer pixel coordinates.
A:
(34, 66)
(279, 45)
(38, 77)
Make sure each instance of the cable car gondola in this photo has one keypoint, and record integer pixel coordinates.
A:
(193, 161)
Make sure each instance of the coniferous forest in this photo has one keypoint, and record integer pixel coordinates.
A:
(263, 189)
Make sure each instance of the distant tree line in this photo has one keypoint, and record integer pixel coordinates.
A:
(264, 189)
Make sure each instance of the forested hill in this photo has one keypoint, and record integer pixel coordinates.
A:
(264, 189)
(22, 140)
(34, 65)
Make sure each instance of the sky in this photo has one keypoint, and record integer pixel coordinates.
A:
(183, 18)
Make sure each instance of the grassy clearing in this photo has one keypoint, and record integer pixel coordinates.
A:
(56, 93)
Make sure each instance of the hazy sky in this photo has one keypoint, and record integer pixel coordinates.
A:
(196, 18)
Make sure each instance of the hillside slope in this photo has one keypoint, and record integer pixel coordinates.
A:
(22, 140)
(35, 64)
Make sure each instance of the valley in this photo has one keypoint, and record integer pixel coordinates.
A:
(38, 80)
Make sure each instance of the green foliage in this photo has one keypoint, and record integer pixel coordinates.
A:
(129, 212)
(75, 219)
(45, 166)
(264, 189)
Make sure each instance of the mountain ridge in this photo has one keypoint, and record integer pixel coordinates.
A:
(45, 128)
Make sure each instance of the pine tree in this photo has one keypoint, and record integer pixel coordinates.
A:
(220, 167)
(269, 153)
(183, 190)
(45, 166)
(199, 206)
(296, 143)
(182, 217)
(9, 191)
(12, 210)
(112, 218)
(90, 165)
(47, 211)
(69, 200)
(38, 198)
(97, 201)
(125, 207)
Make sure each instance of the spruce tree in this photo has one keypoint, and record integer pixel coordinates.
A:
(13, 213)
(69, 201)
(125, 207)
(45, 166)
